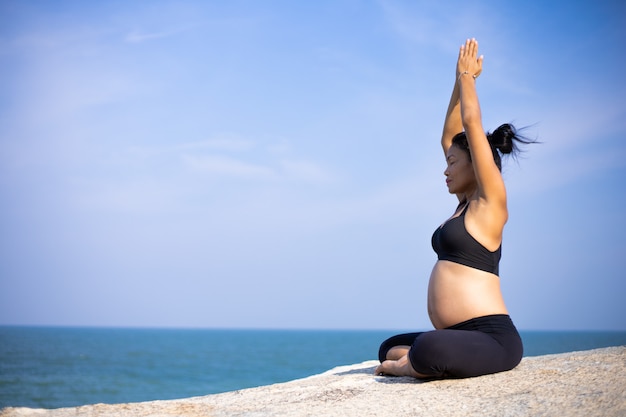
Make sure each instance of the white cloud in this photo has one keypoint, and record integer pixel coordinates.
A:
(550, 169)
(285, 170)
(137, 36)
(305, 171)
(61, 83)
(577, 140)
(132, 195)
(226, 143)
(435, 23)
(409, 25)
(226, 166)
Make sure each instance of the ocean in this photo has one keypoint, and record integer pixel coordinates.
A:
(53, 367)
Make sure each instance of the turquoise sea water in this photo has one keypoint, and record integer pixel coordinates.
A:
(51, 367)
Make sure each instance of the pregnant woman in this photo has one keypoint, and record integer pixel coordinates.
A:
(474, 334)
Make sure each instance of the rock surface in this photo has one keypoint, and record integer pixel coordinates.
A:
(588, 383)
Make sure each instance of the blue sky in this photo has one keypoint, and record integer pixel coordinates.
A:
(276, 164)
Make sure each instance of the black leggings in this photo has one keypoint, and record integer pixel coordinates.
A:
(480, 346)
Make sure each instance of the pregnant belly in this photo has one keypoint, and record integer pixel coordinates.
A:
(457, 293)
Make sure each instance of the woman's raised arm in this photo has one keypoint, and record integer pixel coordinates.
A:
(490, 182)
(452, 125)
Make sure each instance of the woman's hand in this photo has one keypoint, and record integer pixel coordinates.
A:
(469, 62)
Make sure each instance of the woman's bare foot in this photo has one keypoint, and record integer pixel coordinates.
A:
(400, 367)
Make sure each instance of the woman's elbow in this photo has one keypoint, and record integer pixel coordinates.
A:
(471, 118)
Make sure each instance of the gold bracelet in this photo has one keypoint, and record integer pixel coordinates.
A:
(463, 73)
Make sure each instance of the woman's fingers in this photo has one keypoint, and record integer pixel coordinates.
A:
(480, 66)
(473, 48)
(468, 59)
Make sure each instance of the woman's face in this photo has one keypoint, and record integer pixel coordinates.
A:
(460, 177)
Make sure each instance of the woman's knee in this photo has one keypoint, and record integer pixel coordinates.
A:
(458, 354)
(430, 354)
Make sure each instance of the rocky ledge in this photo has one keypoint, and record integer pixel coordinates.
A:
(588, 383)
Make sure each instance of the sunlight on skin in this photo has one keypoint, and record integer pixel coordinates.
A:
(400, 367)
(398, 364)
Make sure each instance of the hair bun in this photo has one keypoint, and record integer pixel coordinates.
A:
(502, 138)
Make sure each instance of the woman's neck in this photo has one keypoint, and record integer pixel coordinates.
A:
(470, 195)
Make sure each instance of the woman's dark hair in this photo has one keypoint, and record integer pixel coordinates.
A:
(504, 141)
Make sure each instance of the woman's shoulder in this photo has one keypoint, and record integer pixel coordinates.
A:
(485, 221)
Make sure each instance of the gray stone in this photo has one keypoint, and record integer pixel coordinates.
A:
(588, 383)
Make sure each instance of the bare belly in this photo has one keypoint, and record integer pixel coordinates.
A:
(457, 293)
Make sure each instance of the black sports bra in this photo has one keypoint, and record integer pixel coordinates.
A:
(452, 242)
